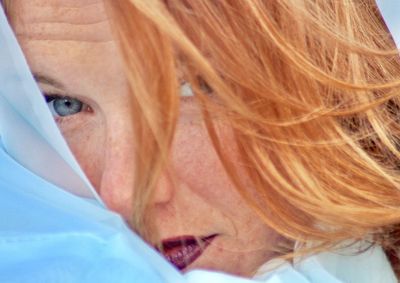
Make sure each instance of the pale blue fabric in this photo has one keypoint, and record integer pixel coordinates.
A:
(353, 264)
(50, 232)
(54, 236)
(390, 10)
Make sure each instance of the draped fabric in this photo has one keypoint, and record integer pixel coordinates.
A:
(55, 228)
(50, 235)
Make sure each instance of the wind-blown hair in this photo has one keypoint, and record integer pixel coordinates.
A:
(309, 88)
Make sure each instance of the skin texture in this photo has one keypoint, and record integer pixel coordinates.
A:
(69, 47)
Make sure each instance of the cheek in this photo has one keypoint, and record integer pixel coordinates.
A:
(87, 144)
(197, 165)
(104, 150)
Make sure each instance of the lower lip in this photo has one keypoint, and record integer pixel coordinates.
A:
(183, 251)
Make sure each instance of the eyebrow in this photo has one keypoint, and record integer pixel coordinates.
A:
(45, 79)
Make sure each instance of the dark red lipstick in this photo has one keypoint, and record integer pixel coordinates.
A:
(182, 251)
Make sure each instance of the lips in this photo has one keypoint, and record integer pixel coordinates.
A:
(182, 251)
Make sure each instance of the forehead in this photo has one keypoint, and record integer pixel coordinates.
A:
(71, 41)
(80, 20)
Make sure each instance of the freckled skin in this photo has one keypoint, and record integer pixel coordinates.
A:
(70, 41)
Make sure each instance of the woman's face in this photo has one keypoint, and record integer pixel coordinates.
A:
(71, 51)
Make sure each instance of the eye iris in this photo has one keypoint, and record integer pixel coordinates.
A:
(67, 106)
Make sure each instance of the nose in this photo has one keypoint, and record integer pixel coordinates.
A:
(116, 185)
(118, 176)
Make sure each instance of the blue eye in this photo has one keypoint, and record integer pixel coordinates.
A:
(61, 106)
(186, 89)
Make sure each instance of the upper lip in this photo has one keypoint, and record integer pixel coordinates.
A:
(181, 251)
